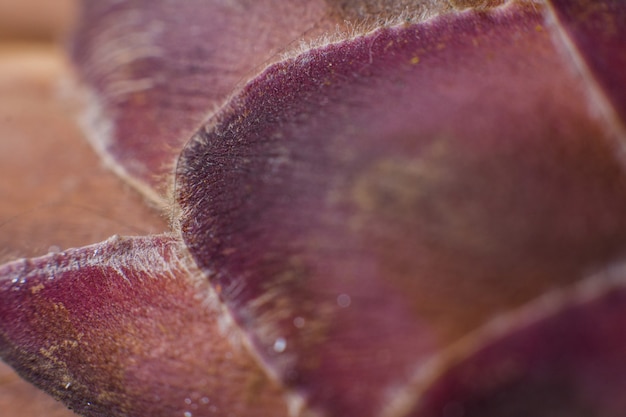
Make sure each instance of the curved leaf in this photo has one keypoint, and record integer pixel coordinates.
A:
(366, 203)
(358, 206)
(124, 328)
(157, 69)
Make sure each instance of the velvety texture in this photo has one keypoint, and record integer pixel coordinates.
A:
(157, 69)
(378, 197)
(375, 188)
(152, 84)
(124, 328)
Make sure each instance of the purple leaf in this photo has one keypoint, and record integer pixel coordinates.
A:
(360, 204)
(156, 69)
(125, 328)
(391, 192)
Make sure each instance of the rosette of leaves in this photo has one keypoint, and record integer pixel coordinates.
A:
(377, 208)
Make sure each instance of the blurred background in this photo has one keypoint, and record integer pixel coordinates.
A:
(35, 20)
(30, 31)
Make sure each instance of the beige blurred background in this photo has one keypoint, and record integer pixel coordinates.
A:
(28, 29)
(35, 20)
(54, 191)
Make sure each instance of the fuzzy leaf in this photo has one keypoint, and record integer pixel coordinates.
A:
(157, 69)
(366, 203)
(358, 206)
(124, 328)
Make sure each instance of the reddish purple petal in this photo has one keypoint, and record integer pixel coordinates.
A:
(157, 69)
(365, 203)
(124, 328)
(555, 358)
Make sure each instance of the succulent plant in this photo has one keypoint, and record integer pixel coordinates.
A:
(377, 208)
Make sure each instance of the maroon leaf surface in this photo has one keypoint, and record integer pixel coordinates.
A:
(385, 178)
(159, 68)
(156, 69)
(124, 328)
(368, 202)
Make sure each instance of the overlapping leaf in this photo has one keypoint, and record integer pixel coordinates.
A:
(359, 206)
(156, 69)
(124, 328)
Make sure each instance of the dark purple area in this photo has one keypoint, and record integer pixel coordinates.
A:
(121, 329)
(158, 68)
